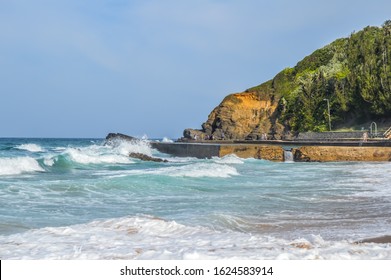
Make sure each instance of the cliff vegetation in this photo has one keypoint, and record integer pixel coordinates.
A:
(352, 74)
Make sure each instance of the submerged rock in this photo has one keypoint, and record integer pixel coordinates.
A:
(146, 157)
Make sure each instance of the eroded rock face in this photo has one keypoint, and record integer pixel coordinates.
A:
(247, 115)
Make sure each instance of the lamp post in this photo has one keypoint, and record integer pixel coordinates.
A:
(328, 109)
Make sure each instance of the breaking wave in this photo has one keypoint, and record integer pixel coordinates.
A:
(191, 170)
(94, 155)
(200, 170)
(98, 154)
(19, 165)
(34, 148)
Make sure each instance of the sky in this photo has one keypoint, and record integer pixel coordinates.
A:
(74, 68)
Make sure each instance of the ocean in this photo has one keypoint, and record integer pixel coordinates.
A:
(82, 199)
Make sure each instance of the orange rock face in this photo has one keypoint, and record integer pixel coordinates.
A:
(246, 115)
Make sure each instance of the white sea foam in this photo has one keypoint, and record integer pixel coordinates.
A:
(34, 148)
(229, 159)
(48, 161)
(195, 170)
(95, 155)
(126, 147)
(152, 238)
(116, 153)
(19, 165)
(200, 170)
(167, 140)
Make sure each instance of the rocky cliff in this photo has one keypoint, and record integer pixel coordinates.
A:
(244, 116)
(247, 115)
(352, 74)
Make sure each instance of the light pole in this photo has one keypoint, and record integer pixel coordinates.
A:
(328, 109)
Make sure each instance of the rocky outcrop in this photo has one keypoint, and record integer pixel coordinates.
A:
(247, 115)
(332, 153)
(146, 157)
(113, 137)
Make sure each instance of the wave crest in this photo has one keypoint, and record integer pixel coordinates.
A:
(94, 155)
(34, 148)
(19, 165)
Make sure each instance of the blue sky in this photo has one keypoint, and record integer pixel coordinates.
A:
(73, 68)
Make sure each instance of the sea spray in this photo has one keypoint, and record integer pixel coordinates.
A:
(95, 155)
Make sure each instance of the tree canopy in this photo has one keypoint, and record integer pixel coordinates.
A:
(353, 74)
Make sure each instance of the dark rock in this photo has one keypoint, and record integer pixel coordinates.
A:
(195, 134)
(146, 157)
(120, 136)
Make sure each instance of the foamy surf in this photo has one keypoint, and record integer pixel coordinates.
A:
(229, 159)
(19, 165)
(191, 170)
(126, 147)
(34, 148)
(146, 237)
(98, 154)
(95, 155)
(201, 169)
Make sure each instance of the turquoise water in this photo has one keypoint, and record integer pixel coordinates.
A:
(79, 198)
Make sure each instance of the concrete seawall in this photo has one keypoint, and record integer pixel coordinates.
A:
(198, 150)
(208, 150)
(323, 154)
(306, 151)
(277, 151)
